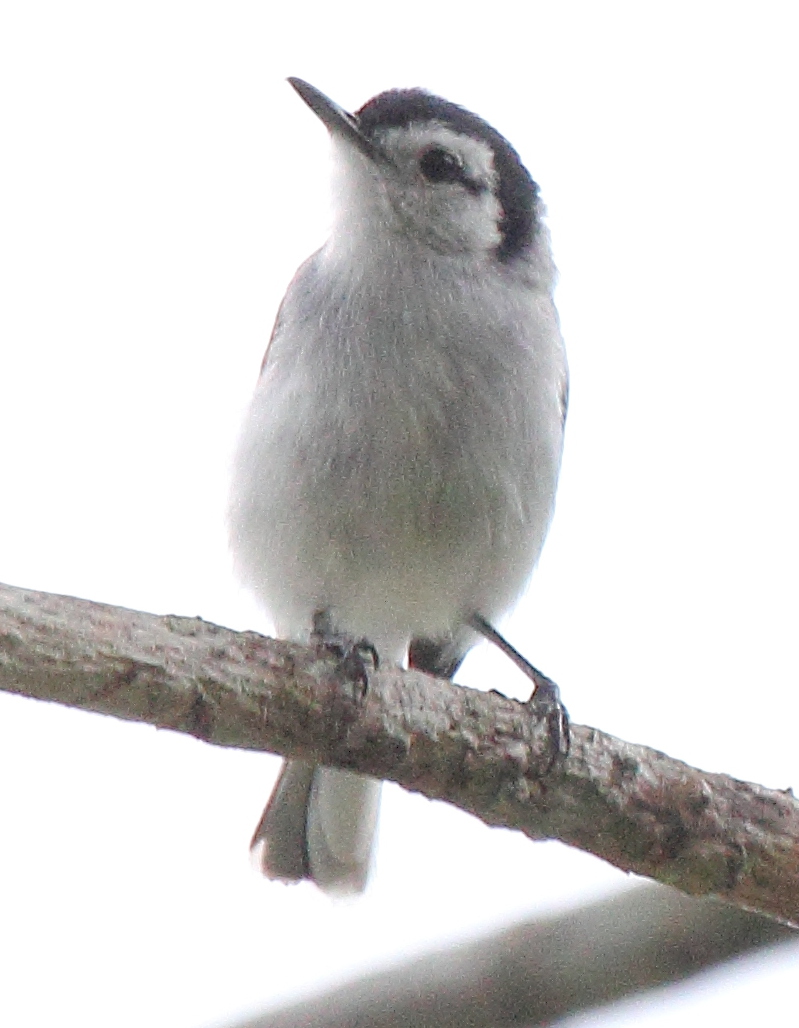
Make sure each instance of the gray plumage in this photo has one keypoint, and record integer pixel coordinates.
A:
(398, 464)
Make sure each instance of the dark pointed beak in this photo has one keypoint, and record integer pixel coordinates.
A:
(337, 121)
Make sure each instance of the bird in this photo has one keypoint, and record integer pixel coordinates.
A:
(396, 470)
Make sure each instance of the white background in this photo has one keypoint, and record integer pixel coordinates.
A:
(159, 183)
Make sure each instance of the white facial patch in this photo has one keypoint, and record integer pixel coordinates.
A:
(449, 216)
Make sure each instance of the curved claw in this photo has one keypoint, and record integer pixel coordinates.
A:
(549, 707)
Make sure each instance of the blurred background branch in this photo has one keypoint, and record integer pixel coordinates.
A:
(539, 972)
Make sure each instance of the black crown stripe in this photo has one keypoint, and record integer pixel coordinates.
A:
(517, 192)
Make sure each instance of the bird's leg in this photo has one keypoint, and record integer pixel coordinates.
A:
(545, 699)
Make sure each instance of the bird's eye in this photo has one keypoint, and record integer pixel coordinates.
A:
(440, 165)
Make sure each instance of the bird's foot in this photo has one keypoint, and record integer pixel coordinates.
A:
(545, 700)
(356, 656)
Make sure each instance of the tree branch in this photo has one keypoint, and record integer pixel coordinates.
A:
(539, 972)
(706, 834)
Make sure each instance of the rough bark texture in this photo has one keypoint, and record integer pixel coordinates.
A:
(537, 973)
(706, 834)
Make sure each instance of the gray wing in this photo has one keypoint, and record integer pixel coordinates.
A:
(297, 285)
